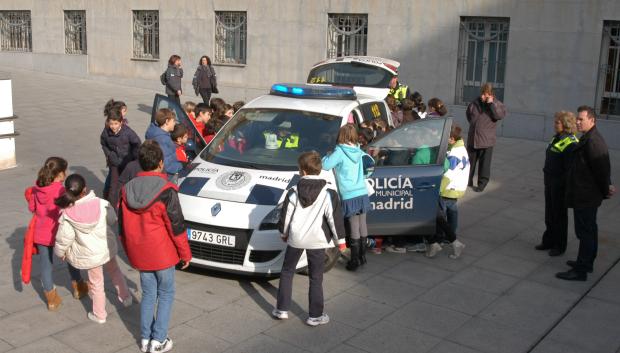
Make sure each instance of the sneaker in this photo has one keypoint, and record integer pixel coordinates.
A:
(457, 248)
(316, 321)
(144, 345)
(395, 249)
(94, 318)
(279, 314)
(158, 347)
(432, 250)
(128, 301)
(418, 247)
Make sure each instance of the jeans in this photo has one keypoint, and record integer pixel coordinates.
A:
(46, 261)
(452, 212)
(587, 233)
(316, 267)
(442, 221)
(482, 157)
(96, 286)
(157, 290)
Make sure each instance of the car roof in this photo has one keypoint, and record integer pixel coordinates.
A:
(387, 64)
(334, 107)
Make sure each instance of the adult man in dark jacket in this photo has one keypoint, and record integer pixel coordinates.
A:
(588, 183)
(483, 115)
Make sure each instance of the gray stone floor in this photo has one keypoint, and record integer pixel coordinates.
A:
(500, 296)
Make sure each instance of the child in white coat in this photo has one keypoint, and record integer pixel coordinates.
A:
(85, 239)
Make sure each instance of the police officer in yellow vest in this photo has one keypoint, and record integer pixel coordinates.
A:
(399, 91)
(557, 162)
(275, 140)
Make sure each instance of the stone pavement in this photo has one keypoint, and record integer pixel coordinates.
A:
(500, 296)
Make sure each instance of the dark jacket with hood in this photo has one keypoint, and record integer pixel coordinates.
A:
(483, 118)
(589, 175)
(121, 148)
(173, 79)
(311, 217)
(171, 164)
(151, 223)
(204, 78)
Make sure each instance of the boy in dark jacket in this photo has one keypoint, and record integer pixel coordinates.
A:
(159, 131)
(153, 234)
(311, 220)
(120, 146)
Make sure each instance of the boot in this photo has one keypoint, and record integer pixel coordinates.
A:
(80, 289)
(53, 300)
(363, 248)
(354, 263)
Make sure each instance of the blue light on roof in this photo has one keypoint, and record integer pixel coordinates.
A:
(280, 88)
(298, 91)
(303, 90)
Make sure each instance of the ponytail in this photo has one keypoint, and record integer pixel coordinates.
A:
(52, 167)
(74, 187)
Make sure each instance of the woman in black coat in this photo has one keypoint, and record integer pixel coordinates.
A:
(204, 81)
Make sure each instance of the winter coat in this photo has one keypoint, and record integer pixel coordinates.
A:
(171, 164)
(204, 78)
(311, 216)
(454, 180)
(151, 223)
(589, 175)
(85, 233)
(131, 171)
(121, 148)
(558, 156)
(46, 212)
(483, 118)
(347, 163)
(173, 79)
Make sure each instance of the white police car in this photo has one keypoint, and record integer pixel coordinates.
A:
(231, 192)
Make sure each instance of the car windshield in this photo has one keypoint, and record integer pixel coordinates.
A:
(351, 74)
(272, 139)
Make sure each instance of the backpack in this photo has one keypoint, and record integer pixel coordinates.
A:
(163, 79)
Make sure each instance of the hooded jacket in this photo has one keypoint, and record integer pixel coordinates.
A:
(85, 235)
(311, 216)
(121, 148)
(46, 213)
(173, 79)
(483, 118)
(151, 223)
(171, 164)
(454, 181)
(347, 163)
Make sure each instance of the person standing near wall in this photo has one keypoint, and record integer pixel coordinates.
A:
(483, 115)
(173, 76)
(588, 183)
(204, 81)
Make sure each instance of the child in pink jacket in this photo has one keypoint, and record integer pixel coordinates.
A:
(47, 188)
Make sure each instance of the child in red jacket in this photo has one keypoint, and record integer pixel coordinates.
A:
(154, 237)
(180, 135)
(41, 203)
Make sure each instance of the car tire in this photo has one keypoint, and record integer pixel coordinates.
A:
(331, 258)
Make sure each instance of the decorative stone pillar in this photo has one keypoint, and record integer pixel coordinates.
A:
(7, 127)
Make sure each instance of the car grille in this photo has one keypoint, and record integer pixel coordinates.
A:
(263, 255)
(217, 253)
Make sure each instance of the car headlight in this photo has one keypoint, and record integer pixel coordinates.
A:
(270, 222)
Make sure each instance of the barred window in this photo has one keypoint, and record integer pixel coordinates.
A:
(146, 34)
(608, 92)
(483, 42)
(75, 32)
(347, 34)
(231, 33)
(15, 31)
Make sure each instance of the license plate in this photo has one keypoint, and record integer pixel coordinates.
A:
(211, 238)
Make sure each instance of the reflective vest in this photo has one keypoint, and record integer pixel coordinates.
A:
(292, 141)
(399, 93)
(560, 145)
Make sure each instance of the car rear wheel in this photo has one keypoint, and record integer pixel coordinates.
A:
(331, 258)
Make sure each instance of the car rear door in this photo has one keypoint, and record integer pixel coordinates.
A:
(407, 176)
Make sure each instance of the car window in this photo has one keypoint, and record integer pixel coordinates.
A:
(351, 74)
(198, 142)
(272, 139)
(415, 143)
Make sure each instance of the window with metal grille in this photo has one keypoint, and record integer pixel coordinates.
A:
(146, 34)
(231, 33)
(347, 34)
(15, 31)
(75, 32)
(608, 92)
(483, 43)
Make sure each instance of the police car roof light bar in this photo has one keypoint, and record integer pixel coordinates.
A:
(312, 91)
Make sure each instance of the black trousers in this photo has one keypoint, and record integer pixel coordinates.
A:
(443, 226)
(112, 192)
(556, 214)
(175, 98)
(587, 233)
(482, 158)
(316, 267)
(205, 94)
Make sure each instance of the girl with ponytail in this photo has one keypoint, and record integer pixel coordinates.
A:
(41, 203)
(87, 241)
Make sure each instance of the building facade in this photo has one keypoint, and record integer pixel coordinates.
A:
(541, 55)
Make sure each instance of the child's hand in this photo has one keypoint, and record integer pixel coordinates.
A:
(284, 239)
(342, 247)
(184, 264)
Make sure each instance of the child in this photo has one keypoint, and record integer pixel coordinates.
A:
(49, 187)
(179, 135)
(349, 169)
(120, 146)
(154, 237)
(189, 108)
(310, 220)
(203, 115)
(160, 130)
(453, 186)
(238, 105)
(229, 111)
(118, 106)
(85, 239)
(212, 128)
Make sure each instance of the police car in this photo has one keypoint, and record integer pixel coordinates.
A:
(232, 191)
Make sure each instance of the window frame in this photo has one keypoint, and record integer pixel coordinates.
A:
(139, 49)
(608, 42)
(341, 42)
(75, 35)
(237, 33)
(5, 31)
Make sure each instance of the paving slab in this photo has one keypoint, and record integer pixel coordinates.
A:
(507, 265)
(387, 291)
(45, 345)
(100, 338)
(418, 274)
(428, 318)
(484, 280)
(389, 337)
(459, 298)
(264, 344)
(492, 337)
(32, 324)
(356, 311)
(314, 339)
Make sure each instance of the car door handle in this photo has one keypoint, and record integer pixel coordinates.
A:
(425, 186)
